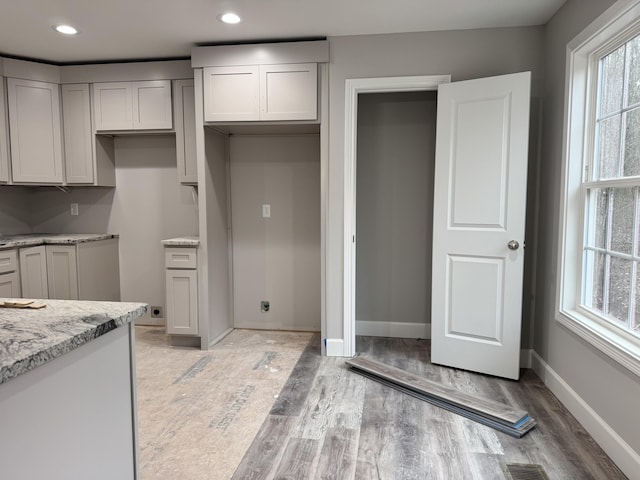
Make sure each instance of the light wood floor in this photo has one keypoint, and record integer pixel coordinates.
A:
(329, 423)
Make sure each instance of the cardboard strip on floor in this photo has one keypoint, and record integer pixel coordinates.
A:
(509, 420)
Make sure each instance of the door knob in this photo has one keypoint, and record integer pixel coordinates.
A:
(513, 245)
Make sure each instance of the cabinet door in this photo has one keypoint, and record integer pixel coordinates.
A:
(182, 302)
(62, 273)
(289, 92)
(185, 114)
(4, 137)
(231, 94)
(9, 285)
(76, 121)
(33, 272)
(35, 133)
(152, 105)
(112, 103)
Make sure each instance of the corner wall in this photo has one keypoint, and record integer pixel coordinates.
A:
(600, 393)
(15, 210)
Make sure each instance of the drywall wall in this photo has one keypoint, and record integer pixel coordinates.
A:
(276, 259)
(462, 54)
(214, 292)
(394, 213)
(147, 206)
(15, 210)
(605, 387)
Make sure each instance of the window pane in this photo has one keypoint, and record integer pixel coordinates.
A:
(619, 286)
(595, 280)
(622, 220)
(599, 218)
(632, 143)
(612, 70)
(634, 71)
(609, 147)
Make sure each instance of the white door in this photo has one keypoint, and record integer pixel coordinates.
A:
(479, 219)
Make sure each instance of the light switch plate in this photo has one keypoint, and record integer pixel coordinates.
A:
(266, 210)
(74, 209)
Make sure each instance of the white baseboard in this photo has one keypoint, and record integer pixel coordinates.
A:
(627, 459)
(393, 329)
(334, 347)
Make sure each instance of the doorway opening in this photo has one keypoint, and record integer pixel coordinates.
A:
(354, 88)
(394, 213)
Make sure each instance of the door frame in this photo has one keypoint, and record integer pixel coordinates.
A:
(353, 88)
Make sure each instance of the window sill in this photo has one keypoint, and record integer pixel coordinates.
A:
(617, 344)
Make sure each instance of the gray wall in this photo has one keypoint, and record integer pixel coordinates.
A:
(607, 388)
(277, 258)
(214, 293)
(463, 54)
(15, 210)
(394, 217)
(147, 206)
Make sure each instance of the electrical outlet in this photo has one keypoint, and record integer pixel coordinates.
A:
(156, 312)
(264, 306)
(74, 209)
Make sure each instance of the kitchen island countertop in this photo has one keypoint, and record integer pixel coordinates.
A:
(30, 338)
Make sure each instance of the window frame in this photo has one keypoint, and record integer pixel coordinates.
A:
(614, 27)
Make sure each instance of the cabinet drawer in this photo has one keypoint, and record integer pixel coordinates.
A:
(175, 257)
(8, 261)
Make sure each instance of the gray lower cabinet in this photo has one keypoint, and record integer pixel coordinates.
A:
(9, 277)
(182, 290)
(33, 272)
(83, 271)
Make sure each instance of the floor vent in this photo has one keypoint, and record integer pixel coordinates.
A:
(524, 471)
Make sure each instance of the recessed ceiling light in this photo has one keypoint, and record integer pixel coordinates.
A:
(66, 29)
(229, 18)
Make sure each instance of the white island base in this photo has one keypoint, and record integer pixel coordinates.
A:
(73, 418)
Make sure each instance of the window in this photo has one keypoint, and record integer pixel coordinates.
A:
(599, 291)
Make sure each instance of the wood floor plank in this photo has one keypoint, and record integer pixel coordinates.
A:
(298, 460)
(376, 452)
(291, 400)
(450, 395)
(266, 449)
(338, 455)
(317, 411)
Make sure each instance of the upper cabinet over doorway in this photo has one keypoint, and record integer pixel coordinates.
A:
(261, 83)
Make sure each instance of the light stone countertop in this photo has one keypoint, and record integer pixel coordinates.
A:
(34, 239)
(187, 241)
(30, 338)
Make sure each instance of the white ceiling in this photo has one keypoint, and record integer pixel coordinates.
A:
(138, 29)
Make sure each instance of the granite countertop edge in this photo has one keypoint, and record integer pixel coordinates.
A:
(35, 239)
(90, 326)
(186, 241)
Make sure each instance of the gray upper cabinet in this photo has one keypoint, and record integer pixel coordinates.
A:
(133, 105)
(76, 116)
(289, 92)
(4, 137)
(89, 159)
(231, 94)
(260, 92)
(35, 131)
(184, 107)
